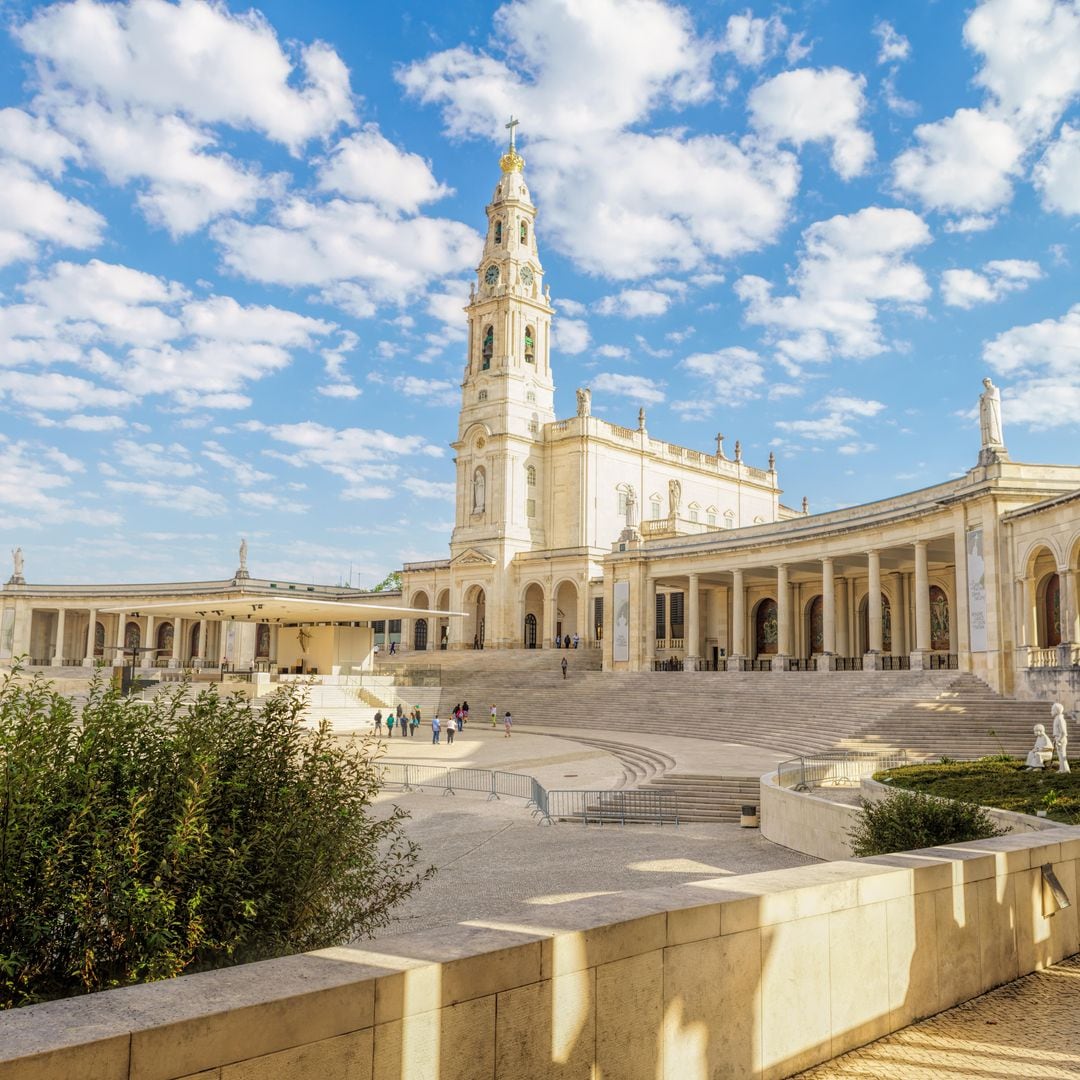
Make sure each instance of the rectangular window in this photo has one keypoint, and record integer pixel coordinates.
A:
(530, 507)
(622, 504)
(693, 515)
(598, 617)
(661, 615)
(710, 519)
(656, 509)
(676, 614)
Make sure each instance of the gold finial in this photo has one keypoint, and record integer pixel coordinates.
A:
(512, 161)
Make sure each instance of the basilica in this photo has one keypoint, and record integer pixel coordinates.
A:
(583, 532)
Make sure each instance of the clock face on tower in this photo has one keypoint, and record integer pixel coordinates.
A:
(527, 276)
(491, 275)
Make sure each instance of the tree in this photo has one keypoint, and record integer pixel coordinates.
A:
(142, 840)
(390, 583)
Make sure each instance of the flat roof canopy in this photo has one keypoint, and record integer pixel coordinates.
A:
(271, 609)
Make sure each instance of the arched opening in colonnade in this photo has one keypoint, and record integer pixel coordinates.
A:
(193, 641)
(814, 633)
(766, 627)
(886, 624)
(940, 620)
(443, 625)
(566, 610)
(475, 616)
(132, 636)
(1049, 608)
(419, 601)
(532, 609)
(163, 640)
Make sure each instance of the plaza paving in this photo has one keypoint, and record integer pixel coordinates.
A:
(1029, 1028)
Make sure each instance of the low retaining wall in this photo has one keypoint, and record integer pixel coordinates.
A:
(805, 822)
(755, 976)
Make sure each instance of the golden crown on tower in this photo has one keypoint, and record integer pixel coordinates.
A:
(512, 161)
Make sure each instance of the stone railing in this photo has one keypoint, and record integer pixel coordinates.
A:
(1054, 656)
(761, 975)
(654, 528)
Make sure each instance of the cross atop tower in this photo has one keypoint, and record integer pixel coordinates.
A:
(510, 126)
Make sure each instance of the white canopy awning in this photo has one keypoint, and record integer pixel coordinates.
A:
(272, 609)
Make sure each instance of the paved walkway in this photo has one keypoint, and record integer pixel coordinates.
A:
(1029, 1028)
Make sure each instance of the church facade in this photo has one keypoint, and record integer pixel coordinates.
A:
(662, 557)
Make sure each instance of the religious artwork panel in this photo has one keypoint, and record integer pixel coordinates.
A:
(7, 633)
(99, 639)
(165, 637)
(886, 624)
(976, 579)
(132, 636)
(621, 641)
(766, 628)
(939, 619)
(262, 641)
(1052, 612)
(817, 625)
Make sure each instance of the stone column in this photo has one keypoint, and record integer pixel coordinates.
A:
(583, 614)
(204, 629)
(828, 615)
(177, 643)
(738, 621)
(121, 622)
(872, 659)
(58, 653)
(650, 622)
(1068, 606)
(899, 618)
(148, 641)
(843, 646)
(551, 617)
(920, 657)
(1030, 620)
(88, 658)
(783, 619)
(692, 651)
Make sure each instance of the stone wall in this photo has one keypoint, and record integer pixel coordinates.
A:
(804, 822)
(755, 976)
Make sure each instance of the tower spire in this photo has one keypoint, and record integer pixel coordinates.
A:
(512, 161)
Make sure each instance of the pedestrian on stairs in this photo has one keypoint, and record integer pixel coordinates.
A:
(494, 715)
(378, 722)
(414, 721)
(401, 720)
(465, 712)
(435, 729)
(507, 721)
(564, 666)
(389, 725)
(450, 732)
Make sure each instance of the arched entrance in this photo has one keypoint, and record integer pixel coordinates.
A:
(132, 636)
(443, 604)
(940, 630)
(815, 626)
(194, 642)
(766, 628)
(99, 639)
(476, 614)
(419, 634)
(533, 629)
(886, 624)
(164, 641)
(1050, 611)
(566, 611)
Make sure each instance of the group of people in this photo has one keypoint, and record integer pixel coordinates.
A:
(406, 725)
(567, 642)
(1040, 754)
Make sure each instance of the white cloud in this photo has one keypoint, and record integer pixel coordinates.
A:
(224, 319)
(753, 41)
(33, 213)
(965, 288)
(965, 163)
(893, 47)
(153, 459)
(727, 377)
(180, 498)
(1056, 174)
(33, 483)
(636, 387)
(60, 393)
(429, 489)
(570, 336)
(194, 59)
(811, 105)
(33, 140)
(850, 265)
(276, 501)
(839, 411)
(635, 303)
(365, 165)
(430, 391)
(340, 390)
(572, 307)
(583, 74)
(612, 352)
(242, 472)
(83, 422)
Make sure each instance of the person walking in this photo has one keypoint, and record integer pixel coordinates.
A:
(435, 729)
(389, 725)
(577, 639)
(378, 722)
(414, 721)
(507, 721)
(450, 732)
(564, 666)
(465, 712)
(494, 716)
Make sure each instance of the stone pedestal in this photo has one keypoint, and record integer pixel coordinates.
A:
(691, 663)
(736, 663)
(871, 661)
(920, 660)
(825, 662)
(780, 662)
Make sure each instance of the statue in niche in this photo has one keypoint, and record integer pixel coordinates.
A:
(990, 416)
(631, 507)
(584, 401)
(478, 485)
(17, 564)
(674, 497)
(1061, 736)
(1043, 750)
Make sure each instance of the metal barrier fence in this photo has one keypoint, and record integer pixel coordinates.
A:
(844, 768)
(588, 807)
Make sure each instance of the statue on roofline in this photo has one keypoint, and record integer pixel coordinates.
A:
(17, 564)
(992, 438)
(584, 401)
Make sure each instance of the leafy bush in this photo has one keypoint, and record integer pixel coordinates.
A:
(907, 821)
(143, 840)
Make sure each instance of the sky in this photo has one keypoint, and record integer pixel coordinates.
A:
(235, 244)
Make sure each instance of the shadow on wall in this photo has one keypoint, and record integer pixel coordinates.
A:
(758, 976)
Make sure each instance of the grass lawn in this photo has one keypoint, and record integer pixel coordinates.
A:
(993, 782)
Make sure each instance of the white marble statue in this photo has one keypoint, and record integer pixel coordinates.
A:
(990, 416)
(1043, 750)
(478, 491)
(674, 497)
(584, 401)
(243, 553)
(631, 507)
(1061, 735)
(17, 562)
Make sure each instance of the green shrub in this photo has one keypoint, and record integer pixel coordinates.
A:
(907, 821)
(143, 840)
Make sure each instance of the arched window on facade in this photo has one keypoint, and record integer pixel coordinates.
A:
(498, 232)
(482, 396)
(530, 631)
(530, 475)
(815, 618)
(524, 232)
(530, 396)
(194, 650)
(99, 639)
(530, 345)
(488, 348)
(420, 634)
(765, 628)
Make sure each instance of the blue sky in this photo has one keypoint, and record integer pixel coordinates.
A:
(234, 245)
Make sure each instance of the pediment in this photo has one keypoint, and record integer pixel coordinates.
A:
(472, 557)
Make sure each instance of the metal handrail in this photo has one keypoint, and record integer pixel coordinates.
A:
(840, 768)
(587, 806)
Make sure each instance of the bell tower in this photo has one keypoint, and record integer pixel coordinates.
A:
(507, 394)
